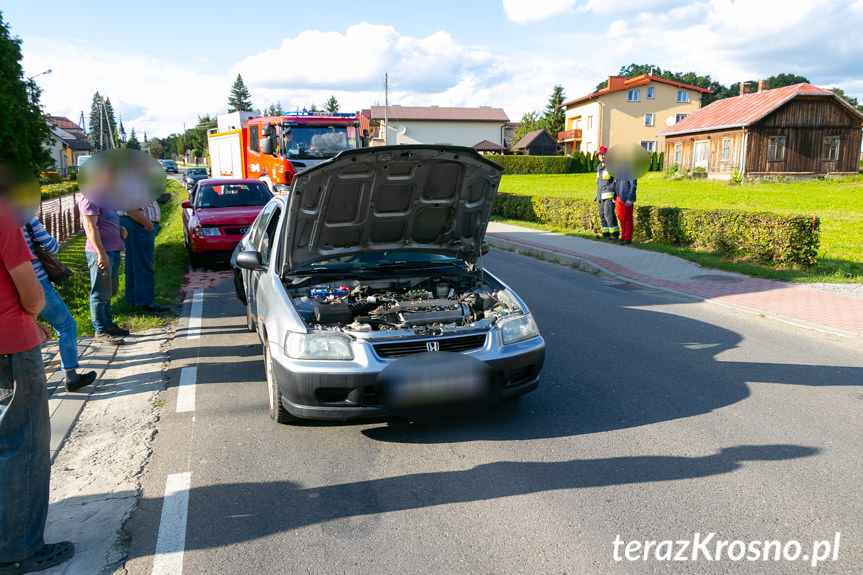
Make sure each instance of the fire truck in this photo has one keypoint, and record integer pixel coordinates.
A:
(274, 149)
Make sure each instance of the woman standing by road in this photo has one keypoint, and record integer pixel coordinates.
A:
(55, 311)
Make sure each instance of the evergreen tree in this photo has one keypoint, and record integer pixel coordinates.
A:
(112, 121)
(274, 110)
(313, 108)
(554, 118)
(240, 99)
(23, 130)
(331, 106)
(132, 143)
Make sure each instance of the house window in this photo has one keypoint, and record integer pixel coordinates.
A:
(678, 117)
(831, 148)
(590, 122)
(649, 145)
(634, 95)
(683, 96)
(726, 149)
(776, 149)
(254, 143)
(577, 125)
(648, 119)
(651, 92)
(678, 153)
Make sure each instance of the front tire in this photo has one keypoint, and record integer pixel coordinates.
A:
(194, 259)
(277, 409)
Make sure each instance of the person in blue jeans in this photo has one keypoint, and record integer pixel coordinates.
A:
(55, 311)
(104, 249)
(25, 430)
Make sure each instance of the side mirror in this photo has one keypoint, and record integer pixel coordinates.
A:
(186, 205)
(483, 248)
(267, 146)
(251, 261)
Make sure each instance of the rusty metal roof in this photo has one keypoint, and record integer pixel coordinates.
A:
(435, 113)
(630, 83)
(745, 110)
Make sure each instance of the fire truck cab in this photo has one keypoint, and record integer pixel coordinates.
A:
(274, 149)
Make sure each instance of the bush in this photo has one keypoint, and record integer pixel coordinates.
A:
(534, 164)
(766, 237)
(52, 177)
(54, 190)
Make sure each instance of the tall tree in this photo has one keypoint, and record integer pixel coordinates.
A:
(554, 118)
(103, 126)
(331, 106)
(112, 121)
(841, 93)
(132, 143)
(239, 99)
(23, 130)
(529, 122)
(274, 110)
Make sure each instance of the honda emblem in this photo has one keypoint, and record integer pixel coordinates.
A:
(433, 346)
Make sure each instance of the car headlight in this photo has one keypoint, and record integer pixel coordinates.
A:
(209, 231)
(317, 346)
(520, 328)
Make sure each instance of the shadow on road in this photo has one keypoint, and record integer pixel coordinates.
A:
(246, 511)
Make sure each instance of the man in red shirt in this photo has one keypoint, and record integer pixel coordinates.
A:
(25, 431)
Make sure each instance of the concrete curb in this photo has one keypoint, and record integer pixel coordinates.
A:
(585, 265)
(64, 408)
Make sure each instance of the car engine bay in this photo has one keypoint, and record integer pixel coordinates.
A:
(424, 303)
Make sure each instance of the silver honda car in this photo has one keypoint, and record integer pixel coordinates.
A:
(366, 287)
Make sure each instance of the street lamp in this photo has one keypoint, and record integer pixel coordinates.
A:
(48, 71)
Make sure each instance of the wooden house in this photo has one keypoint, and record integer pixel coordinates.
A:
(536, 143)
(798, 130)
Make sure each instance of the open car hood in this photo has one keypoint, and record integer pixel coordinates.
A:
(434, 199)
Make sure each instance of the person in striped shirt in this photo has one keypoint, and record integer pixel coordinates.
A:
(55, 311)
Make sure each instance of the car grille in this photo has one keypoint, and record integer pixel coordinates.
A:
(458, 344)
(235, 231)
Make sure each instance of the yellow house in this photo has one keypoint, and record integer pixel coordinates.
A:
(633, 110)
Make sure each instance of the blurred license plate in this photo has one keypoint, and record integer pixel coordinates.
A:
(436, 378)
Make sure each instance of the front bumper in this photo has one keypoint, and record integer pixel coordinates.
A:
(342, 390)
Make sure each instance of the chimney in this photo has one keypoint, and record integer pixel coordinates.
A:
(745, 88)
(763, 85)
(616, 82)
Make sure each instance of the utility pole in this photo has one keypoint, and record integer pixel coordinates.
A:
(386, 111)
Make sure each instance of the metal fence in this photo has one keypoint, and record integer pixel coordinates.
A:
(60, 216)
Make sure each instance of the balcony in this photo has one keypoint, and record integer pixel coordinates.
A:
(568, 135)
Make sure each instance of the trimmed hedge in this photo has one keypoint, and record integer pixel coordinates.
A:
(534, 164)
(766, 237)
(54, 190)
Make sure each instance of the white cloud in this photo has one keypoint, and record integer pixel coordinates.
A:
(526, 11)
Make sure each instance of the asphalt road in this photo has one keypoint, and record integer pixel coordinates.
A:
(656, 418)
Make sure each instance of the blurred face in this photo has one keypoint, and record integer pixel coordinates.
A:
(601, 158)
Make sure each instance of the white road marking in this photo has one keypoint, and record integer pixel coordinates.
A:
(186, 390)
(171, 542)
(194, 330)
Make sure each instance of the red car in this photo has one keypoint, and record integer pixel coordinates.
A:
(218, 214)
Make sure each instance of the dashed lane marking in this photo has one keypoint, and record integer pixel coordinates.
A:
(194, 330)
(171, 543)
(186, 390)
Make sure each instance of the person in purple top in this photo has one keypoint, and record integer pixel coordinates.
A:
(104, 246)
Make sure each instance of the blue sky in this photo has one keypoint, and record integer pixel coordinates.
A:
(164, 63)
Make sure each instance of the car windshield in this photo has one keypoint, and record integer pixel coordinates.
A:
(318, 141)
(232, 195)
(196, 172)
(382, 261)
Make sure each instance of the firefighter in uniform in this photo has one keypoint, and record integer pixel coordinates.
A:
(606, 191)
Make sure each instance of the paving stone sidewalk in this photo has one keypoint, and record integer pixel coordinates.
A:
(816, 309)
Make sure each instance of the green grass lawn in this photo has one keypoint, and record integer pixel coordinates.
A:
(171, 266)
(836, 202)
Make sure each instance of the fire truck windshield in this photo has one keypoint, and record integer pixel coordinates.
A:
(317, 141)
